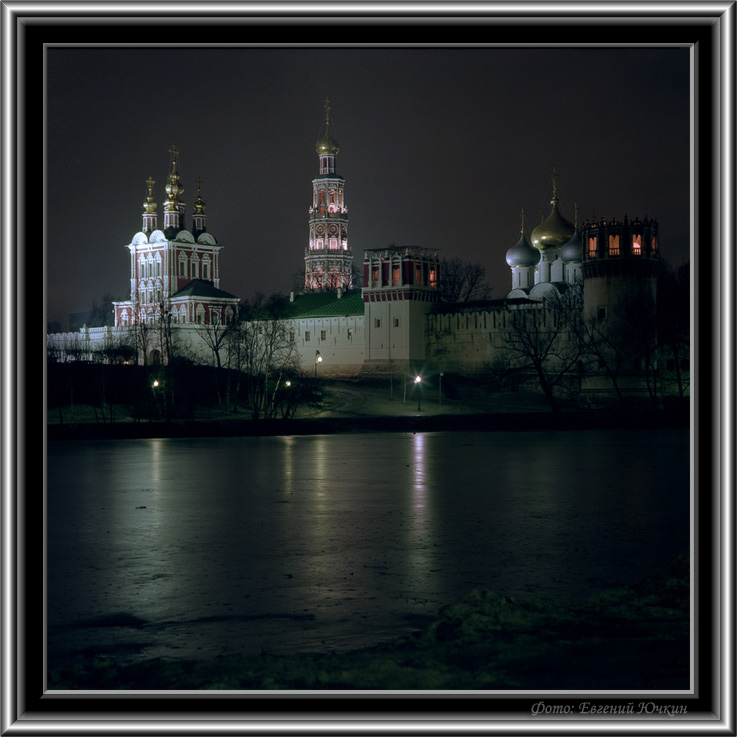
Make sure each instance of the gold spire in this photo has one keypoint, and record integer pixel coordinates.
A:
(555, 187)
(522, 226)
(326, 144)
(199, 203)
(149, 206)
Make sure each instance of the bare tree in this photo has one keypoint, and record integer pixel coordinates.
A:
(262, 352)
(462, 281)
(544, 342)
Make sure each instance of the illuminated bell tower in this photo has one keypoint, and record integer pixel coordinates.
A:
(328, 260)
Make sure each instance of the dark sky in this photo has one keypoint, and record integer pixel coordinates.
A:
(440, 148)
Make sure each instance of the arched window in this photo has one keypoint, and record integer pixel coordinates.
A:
(182, 266)
(637, 245)
(200, 315)
(592, 246)
(195, 266)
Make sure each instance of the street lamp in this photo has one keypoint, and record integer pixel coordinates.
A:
(418, 381)
(318, 360)
(440, 389)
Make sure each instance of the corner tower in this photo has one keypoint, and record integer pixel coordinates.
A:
(328, 260)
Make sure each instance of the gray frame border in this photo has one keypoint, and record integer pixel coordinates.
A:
(14, 720)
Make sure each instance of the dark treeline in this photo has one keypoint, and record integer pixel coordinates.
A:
(179, 391)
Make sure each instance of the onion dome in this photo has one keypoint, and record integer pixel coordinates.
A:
(149, 206)
(199, 203)
(522, 253)
(327, 145)
(555, 230)
(571, 251)
(173, 186)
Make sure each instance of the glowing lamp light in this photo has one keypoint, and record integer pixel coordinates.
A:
(418, 379)
(289, 383)
(155, 384)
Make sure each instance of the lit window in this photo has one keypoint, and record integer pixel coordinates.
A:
(655, 244)
(614, 245)
(395, 276)
(637, 245)
(592, 246)
(433, 279)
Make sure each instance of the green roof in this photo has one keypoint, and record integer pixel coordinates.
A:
(201, 288)
(324, 304)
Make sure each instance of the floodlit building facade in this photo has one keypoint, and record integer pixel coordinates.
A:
(396, 323)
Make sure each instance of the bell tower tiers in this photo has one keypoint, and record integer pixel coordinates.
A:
(328, 260)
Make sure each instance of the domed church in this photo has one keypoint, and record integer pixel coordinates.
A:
(395, 324)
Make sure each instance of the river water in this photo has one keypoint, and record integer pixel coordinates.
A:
(193, 548)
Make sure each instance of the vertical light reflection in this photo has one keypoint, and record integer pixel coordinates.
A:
(157, 449)
(288, 464)
(420, 562)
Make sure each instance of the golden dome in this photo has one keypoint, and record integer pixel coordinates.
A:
(199, 203)
(554, 231)
(327, 145)
(149, 206)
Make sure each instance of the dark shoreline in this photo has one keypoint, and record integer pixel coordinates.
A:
(492, 422)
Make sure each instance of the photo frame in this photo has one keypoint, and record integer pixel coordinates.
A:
(27, 707)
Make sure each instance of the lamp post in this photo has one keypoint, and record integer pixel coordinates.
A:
(318, 360)
(418, 381)
(440, 389)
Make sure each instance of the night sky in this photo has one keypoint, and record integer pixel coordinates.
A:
(440, 148)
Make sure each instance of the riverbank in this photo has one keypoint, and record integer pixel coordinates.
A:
(331, 425)
(371, 407)
(629, 638)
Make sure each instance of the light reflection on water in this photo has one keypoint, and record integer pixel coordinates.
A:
(340, 541)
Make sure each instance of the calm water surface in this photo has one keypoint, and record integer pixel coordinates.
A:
(200, 547)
